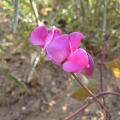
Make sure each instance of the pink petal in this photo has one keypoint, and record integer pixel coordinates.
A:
(53, 33)
(71, 67)
(39, 35)
(75, 39)
(90, 68)
(77, 61)
(58, 49)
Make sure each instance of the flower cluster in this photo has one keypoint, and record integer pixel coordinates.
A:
(63, 49)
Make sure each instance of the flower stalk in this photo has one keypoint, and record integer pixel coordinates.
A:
(89, 102)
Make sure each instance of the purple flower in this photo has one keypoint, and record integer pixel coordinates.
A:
(77, 61)
(89, 69)
(39, 35)
(62, 49)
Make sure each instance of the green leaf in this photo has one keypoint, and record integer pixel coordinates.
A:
(8, 75)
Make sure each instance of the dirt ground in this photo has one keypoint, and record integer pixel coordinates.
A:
(48, 92)
(47, 98)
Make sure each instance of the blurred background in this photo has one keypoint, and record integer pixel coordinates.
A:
(32, 88)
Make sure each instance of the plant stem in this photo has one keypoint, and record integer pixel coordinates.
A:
(107, 93)
(35, 11)
(104, 16)
(90, 92)
(107, 113)
(104, 108)
(101, 75)
(83, 107)
(15, 15)
(108, 116)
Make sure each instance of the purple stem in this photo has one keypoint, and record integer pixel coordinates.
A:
(83, 107)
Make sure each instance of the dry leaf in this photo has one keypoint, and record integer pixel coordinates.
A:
(81, 94)
(115, 67)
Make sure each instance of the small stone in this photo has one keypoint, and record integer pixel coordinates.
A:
(48, 96)
(23, 108)
(119, 113)
(53, 83)
(36, 105)
(54, 90)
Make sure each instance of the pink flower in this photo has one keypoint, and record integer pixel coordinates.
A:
(52, 34)
(77, 61)
(88, 71)
(39, 35)
(75, 39)
(62, 46)
(62, 49)
(58, 49)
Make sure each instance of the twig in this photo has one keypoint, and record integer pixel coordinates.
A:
(101, 74)
(115, 48)
(107, 93)
(90, 92)
(83, 107)
(104, 108)
(108, 116)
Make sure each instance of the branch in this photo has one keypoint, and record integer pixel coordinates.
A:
(90, 92)
(83, 107)
(107, 113)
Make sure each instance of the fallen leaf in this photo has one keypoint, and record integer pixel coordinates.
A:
(81, 94)
(114, 65)
(116, 72)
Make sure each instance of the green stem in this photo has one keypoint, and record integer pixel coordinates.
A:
(15, 15)
(35, 11)
(105, 16)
